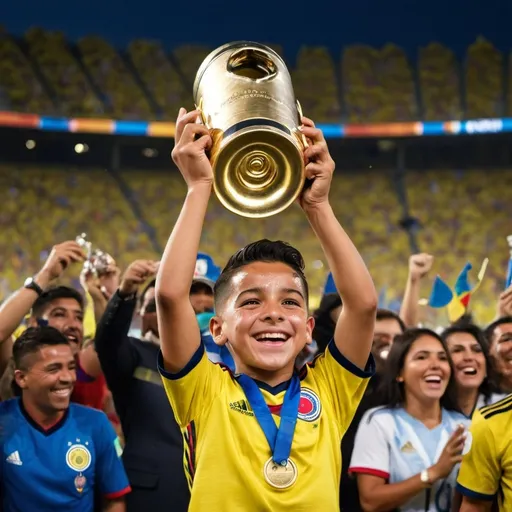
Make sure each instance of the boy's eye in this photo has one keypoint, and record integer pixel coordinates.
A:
(291, 302)
(250, 302)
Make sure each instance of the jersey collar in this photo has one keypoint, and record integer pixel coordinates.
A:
(273, 390)
(34, 424)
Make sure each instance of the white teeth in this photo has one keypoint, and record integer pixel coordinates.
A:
(272, 336)
(469, 370)
(62, 392)
(435, 379)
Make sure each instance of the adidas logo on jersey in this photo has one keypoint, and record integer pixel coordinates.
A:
(242, 406)
(407, 448)
(14, 458)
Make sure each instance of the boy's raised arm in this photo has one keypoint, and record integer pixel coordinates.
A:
(355, 327)
(179, 331)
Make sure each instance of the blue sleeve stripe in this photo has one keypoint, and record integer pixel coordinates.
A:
(369, 370)
(194, 361)
(473, 494)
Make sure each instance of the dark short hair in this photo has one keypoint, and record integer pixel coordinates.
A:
(387, 314)
(32, 340)
(54, 293)
(265, 251)
(393, 394)
(489, 330)
(488, 386)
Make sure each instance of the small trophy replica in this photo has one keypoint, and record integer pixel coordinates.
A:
(97, 261)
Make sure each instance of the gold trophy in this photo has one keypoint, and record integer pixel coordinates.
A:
(96, 261)
(245, 95)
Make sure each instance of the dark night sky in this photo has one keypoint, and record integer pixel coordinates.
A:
(409, 23)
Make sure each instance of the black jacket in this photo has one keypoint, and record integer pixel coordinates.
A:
(153, 454)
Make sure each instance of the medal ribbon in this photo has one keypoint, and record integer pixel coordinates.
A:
(279, 440)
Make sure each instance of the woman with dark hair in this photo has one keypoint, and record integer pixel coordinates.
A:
(406, 453)
(473, 369)
(326, 317)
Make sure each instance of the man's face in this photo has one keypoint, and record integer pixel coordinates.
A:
(264, 318)
(385, 332)
(201, 297)
(501, 350)
(67, 316)
(48, 378)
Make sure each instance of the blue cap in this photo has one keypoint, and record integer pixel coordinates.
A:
(206, 271)
(330, 287)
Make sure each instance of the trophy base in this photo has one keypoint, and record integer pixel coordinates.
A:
(258, 172)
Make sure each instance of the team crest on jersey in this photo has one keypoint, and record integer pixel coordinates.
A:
(78, 457)
(309, 405)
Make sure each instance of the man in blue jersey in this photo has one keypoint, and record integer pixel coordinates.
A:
(56, 455)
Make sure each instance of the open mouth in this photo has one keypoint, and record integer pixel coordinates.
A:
(433, 380)
(72, 338)
(469, 370)
(271, 337)
(62, 393)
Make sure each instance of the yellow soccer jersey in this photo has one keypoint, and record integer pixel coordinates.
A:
(486, 470)
(226, 449)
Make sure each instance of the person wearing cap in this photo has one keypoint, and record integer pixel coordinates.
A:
(201, 297)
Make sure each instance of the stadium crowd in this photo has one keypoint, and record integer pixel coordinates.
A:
(131, 380)
(110, 321)
(46, 74)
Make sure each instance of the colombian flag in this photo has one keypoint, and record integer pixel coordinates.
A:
(457, 300)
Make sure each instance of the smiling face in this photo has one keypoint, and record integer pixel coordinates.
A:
(67, 316)
(501, 351)
(264, 318)
(47, 378)
(426, 371)
(468, 360)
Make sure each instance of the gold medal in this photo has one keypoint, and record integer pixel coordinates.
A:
(279, 476)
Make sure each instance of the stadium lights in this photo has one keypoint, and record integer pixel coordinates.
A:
(30, 144)
(81, 148)
(150, 152)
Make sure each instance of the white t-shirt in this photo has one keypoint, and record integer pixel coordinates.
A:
(391, 444)
(495, 397)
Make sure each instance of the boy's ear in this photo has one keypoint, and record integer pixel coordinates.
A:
(217, 331)
(310, 325)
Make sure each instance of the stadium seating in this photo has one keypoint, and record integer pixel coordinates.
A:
(378, 85)
(41, 207)
(314, 66)
(439, 83)
(166, 86)
(370, 84)
(73, 92)
(484, 81)
(20, 90)
(109, 71)
(188, 59)
(465, 217)
(62, 211)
